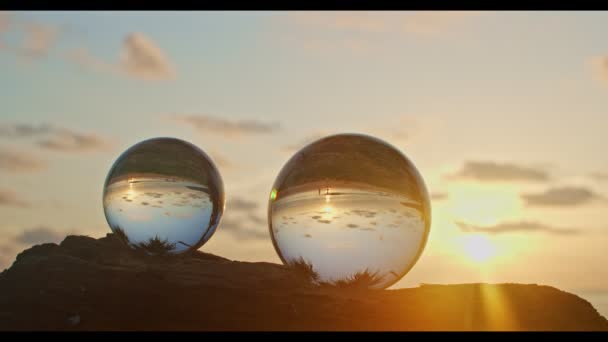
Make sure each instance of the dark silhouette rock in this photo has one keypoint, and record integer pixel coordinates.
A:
(100, 284)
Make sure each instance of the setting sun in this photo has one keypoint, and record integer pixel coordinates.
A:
(478, 248)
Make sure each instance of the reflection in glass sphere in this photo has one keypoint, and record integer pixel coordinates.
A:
(164, 195)
(352, 210)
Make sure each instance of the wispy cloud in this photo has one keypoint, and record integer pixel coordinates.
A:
(435, 22)
(39, 39)
(24, 130)
(561, 197)
(39, 235)
(10, 246)
(143, 58)
(12, 199)
(439, 196)
(83, 57)
(599, 66)
(69, 141)
(240, 204)
(492, 171)
(140, 58)
(242, 220)
(222, 161)
(343, 21)
(296, 146)
(361, 31)
(7, 254)
(512, 227)
(19, 161)
(240, 231)
(55, 138)
(416, 22)
(226, 127)
(599, 176)
(4, 24)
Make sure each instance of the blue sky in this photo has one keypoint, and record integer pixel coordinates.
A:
(522, 89)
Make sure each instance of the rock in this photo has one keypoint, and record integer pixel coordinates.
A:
(51, 287)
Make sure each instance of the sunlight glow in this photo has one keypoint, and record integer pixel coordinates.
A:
(483, 205)
(478, 248)
(497, 309)
(131, 192)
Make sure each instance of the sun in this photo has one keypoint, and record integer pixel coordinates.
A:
(478, 248)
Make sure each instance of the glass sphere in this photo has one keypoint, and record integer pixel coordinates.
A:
(350, 210)
(164, 196)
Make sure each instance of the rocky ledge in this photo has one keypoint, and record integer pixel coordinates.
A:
(100, 284)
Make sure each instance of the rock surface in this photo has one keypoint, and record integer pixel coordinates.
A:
(100, 284)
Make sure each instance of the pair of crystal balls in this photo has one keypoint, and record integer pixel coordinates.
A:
(347, 208)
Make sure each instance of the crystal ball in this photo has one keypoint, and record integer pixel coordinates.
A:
(164, 196)
(350, 210)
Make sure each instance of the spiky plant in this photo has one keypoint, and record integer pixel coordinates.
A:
(120, 233)
(365, 279)
(304, 269)
(156, 246)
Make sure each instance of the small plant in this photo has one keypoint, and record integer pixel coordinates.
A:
(120, 233)
(360, 280)
(156, 246)
(304, 268)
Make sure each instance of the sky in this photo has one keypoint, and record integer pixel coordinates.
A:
(503, 113)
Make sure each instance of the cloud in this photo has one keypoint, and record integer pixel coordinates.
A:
(12, 199)
(360, 31)
(83, 57)
(7, 255)
(294, 147)
(599, 176)
(39, 39)
(511, 227)
(55, 138)
(561, 197)
(69, 141)
(439, 196)
(343, 21)
(600, 67)
(242, 221)
(36, 235)
(240, 204)
(142, 58)
(492, 171)
(239, 231)
(225, 127)
(415, 22)
(24, 130)
(257, 220)
(14, 161)
(39, 235)
(4, 23)
(435, 22)
(221, 161)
